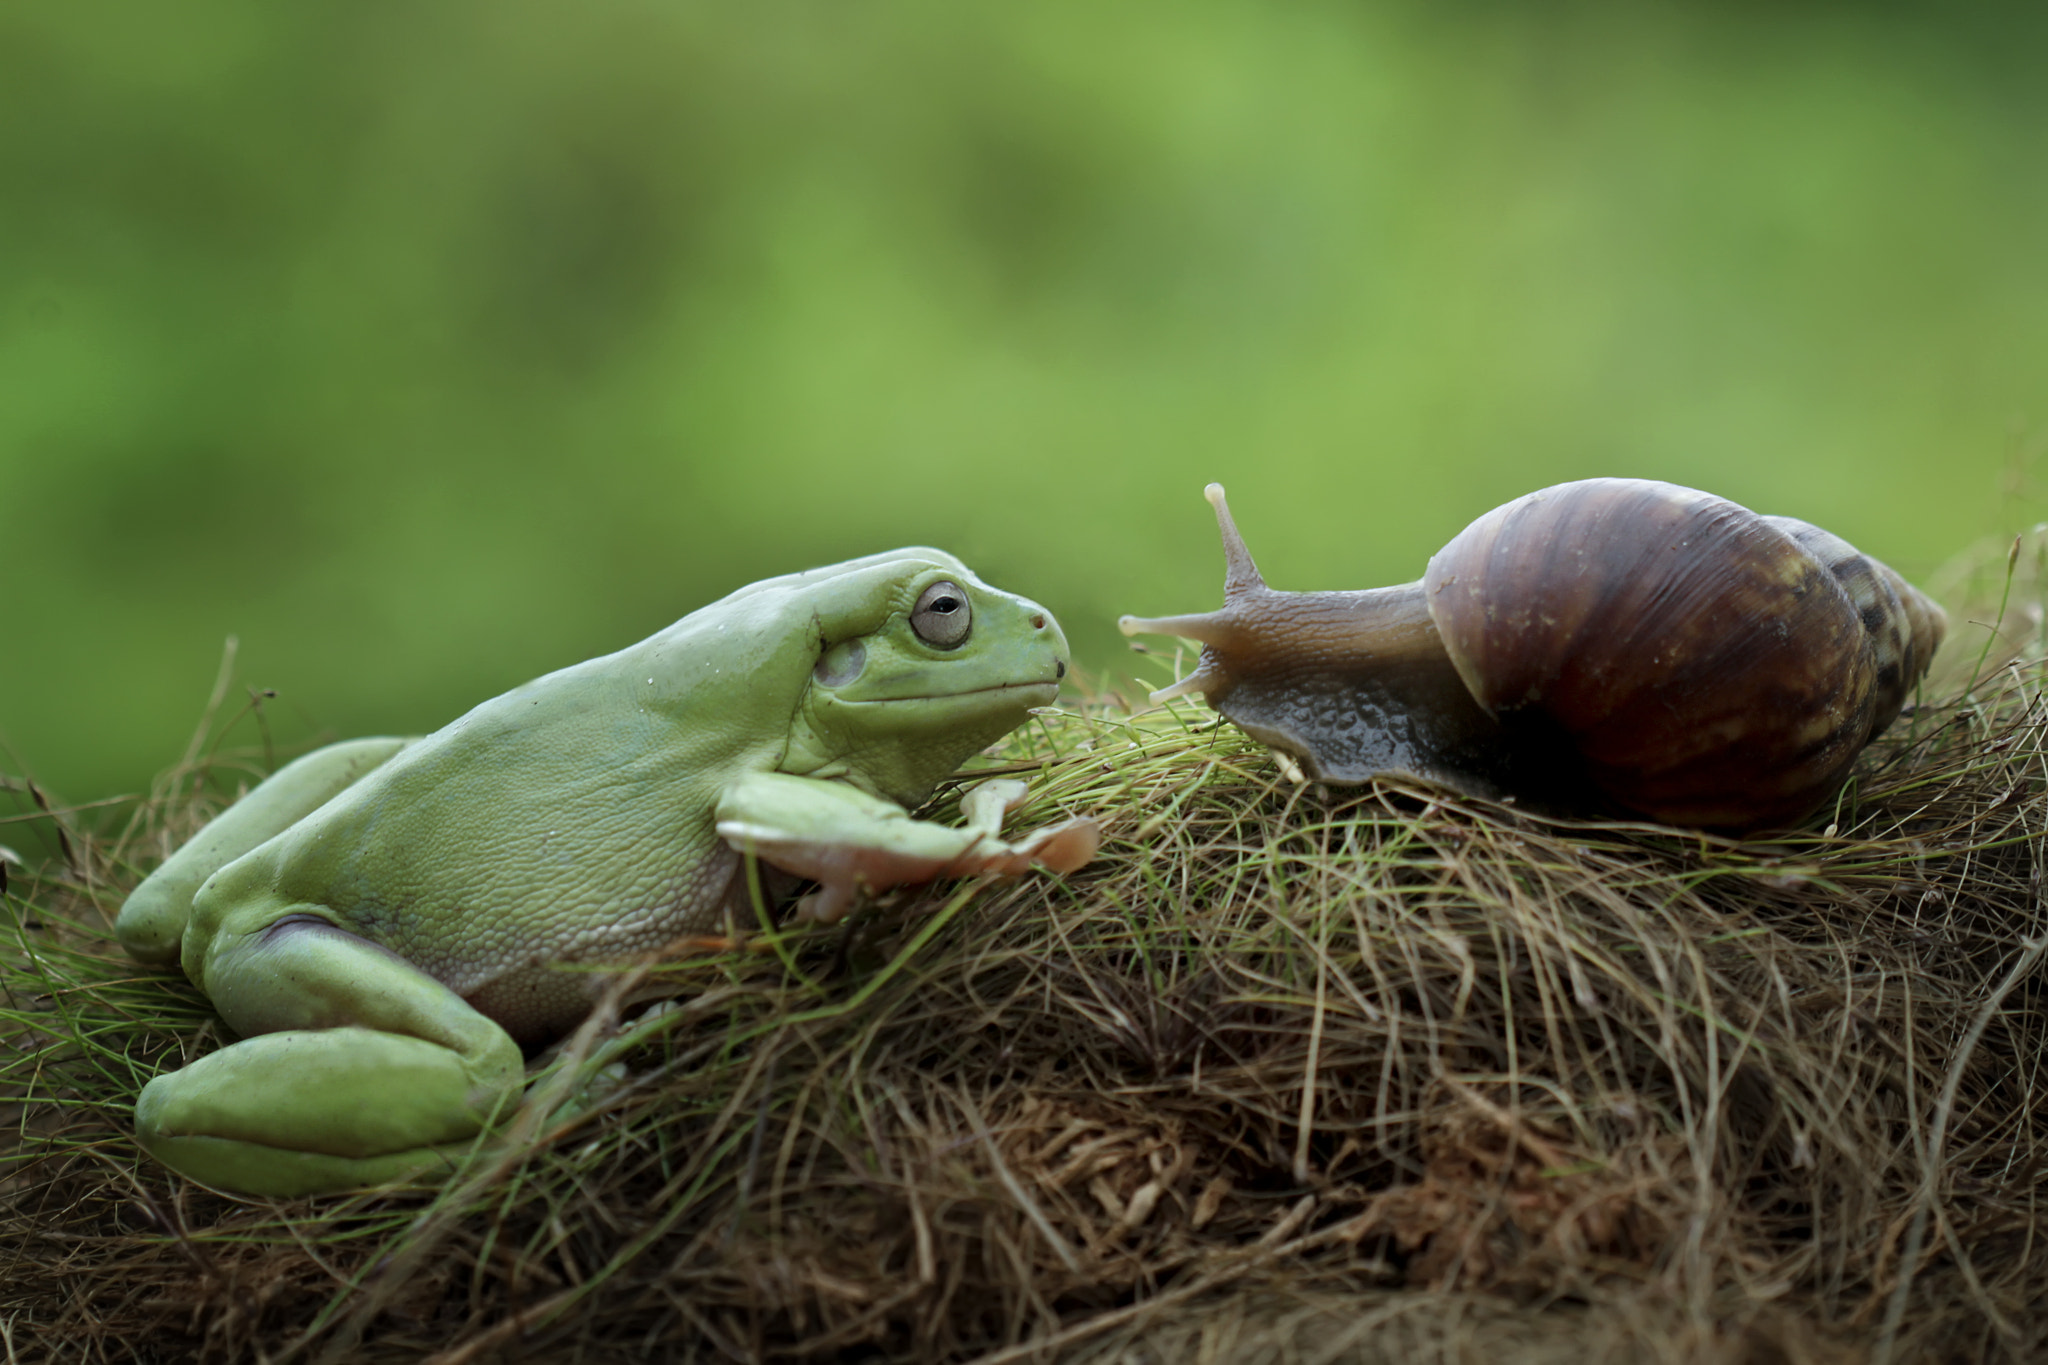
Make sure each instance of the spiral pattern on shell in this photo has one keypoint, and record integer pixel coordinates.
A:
(1710, 666)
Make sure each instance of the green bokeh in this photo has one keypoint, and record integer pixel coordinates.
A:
(428, 347)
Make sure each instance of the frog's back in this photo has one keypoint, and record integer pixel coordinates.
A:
(568, 821)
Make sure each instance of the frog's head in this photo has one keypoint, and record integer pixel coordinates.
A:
(929, 667)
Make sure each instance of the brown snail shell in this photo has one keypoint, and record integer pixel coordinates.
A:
(1617, 642)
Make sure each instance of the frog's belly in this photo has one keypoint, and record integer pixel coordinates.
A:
(538, 981)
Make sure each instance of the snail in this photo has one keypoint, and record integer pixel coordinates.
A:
(1621, 643)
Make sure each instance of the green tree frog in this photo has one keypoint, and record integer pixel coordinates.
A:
(385, 921)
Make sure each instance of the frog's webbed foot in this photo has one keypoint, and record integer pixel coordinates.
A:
(1065, 847)
(848, 841)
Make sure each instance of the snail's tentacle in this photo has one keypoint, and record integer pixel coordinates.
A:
(1209, 627)
(1240, 574)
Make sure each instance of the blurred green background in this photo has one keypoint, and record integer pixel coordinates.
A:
(427, 347)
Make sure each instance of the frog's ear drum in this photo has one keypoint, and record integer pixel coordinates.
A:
(840, 664)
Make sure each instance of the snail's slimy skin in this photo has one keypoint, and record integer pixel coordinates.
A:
(1629, 643)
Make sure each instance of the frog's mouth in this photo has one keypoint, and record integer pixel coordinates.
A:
(927, 683)
(1004, 687)
(1049, 688)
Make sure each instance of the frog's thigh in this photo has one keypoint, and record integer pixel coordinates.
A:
(152, 919)
(356, 1068)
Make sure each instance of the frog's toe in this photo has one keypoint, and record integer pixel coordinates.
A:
(984, 806)
(828, 904)
(1066, 847)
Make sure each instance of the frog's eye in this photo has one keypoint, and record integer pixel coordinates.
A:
(942, 617)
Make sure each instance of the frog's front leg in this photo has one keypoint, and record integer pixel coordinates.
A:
(846, 840)
(153, 918)
(355, 1068)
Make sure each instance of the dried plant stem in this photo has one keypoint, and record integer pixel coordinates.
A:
(1931, 1156)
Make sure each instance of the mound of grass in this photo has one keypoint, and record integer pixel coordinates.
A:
(1375, 1075)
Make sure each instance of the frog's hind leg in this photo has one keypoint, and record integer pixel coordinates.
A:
(152, 919)
(356, 1068)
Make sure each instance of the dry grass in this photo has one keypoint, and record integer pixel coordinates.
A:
(1284, 1075)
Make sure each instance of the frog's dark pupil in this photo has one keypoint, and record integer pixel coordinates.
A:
(946, 604)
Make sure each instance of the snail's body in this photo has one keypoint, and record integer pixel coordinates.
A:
(1617, 641)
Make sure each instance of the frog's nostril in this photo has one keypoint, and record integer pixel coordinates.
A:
(1037, 622)
(1059, 669)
